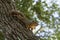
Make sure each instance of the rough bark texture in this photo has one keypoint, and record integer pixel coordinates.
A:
(12, 29)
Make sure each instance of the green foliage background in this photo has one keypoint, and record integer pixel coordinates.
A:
(44, 13)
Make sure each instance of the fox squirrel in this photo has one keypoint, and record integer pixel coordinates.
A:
(19, 15)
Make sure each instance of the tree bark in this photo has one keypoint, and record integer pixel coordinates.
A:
(12, 28)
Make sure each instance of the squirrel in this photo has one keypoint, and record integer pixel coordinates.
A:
(29, 25)
(32, 25)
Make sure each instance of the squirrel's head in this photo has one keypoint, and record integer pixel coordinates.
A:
(34, 23)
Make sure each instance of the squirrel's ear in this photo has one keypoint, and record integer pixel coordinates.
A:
(33, 21)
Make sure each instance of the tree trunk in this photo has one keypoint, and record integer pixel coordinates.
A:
(12, 28)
